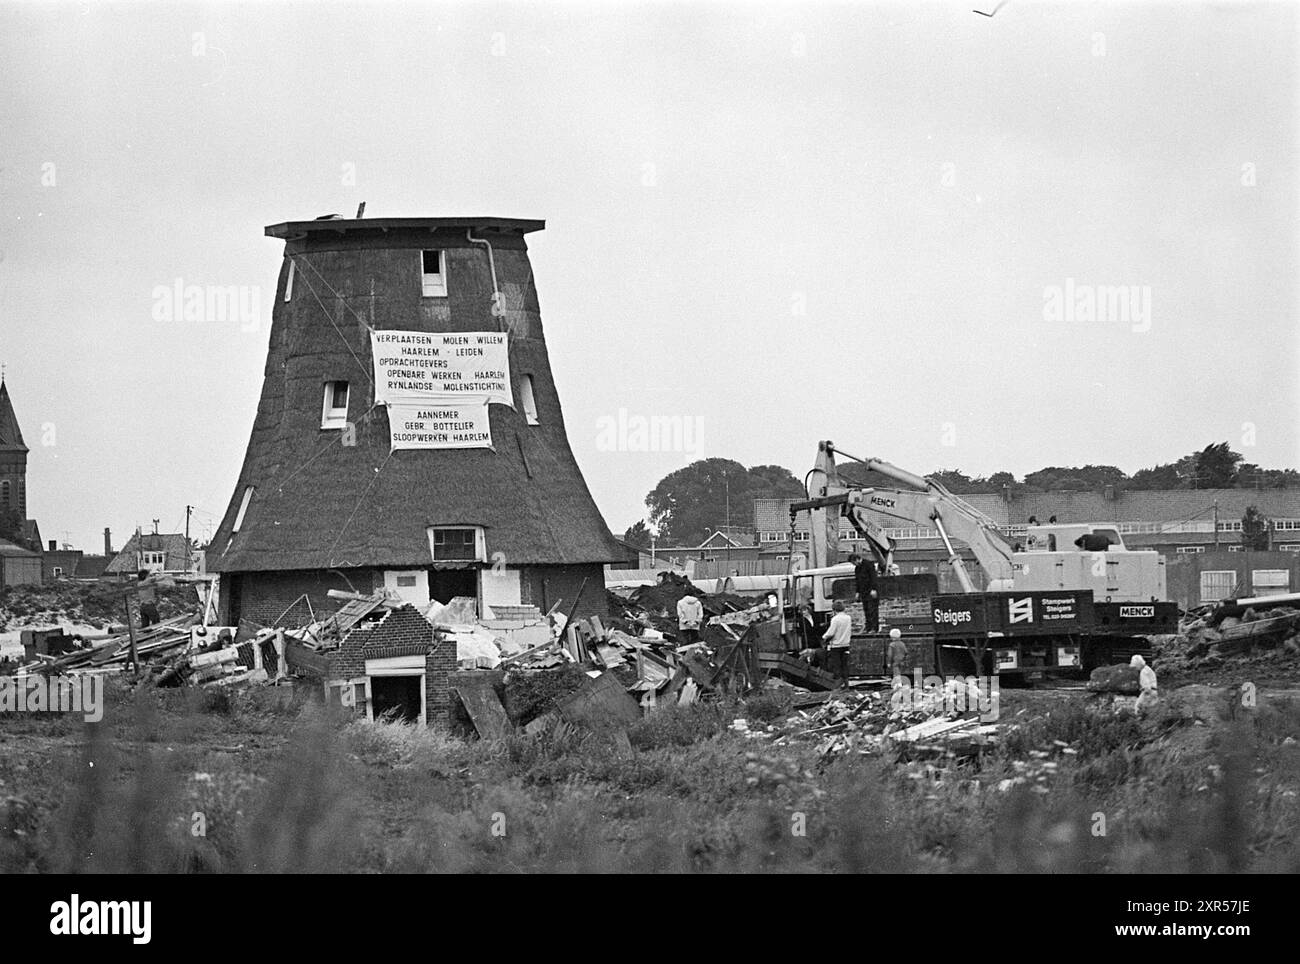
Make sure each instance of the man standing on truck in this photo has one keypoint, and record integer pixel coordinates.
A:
(837, 637)
(690, 613)
(864, 574)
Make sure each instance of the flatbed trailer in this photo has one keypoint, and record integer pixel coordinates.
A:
(1029, 634)
(1058, 633)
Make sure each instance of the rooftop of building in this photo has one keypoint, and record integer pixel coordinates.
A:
(8, 548)
(11, 436)
(172, 543)
(1131, 505)
(340, 225)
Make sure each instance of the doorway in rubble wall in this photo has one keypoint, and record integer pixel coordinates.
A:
(397, 686)
(399, 695)
(446, 584)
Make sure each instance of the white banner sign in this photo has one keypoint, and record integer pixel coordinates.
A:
(458, 425)
(425, 366)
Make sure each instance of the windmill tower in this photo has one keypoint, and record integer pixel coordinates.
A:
(409, 433)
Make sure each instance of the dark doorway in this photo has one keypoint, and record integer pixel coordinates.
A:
(446, 584)
(397, 693)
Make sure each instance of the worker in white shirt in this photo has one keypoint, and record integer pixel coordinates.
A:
(1150, 695)
(836, 638)
(690, 613)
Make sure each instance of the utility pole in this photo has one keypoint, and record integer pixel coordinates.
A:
(188, 510)
(1216, 525)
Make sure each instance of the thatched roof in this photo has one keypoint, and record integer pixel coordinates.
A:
(320, 504)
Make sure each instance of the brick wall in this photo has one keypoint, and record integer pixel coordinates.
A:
(262, 597)
(438, 667)
(542, 586)
(401, 632)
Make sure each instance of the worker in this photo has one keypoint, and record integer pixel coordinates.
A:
(1149, 696)
(864, 574)
(690, 613)
(1094, 542)
(836, 638)
(897, 654)
(148, 598)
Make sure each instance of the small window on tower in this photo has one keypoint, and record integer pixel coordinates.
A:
(526, 399)
(288, 284)
(434, 268)
(459, 544)
(334, 413)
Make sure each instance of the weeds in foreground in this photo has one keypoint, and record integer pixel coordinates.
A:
(679, 793)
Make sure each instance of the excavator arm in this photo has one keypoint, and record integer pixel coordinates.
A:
(950, 517)
(924, 502)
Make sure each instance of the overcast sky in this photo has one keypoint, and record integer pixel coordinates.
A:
(790, 222)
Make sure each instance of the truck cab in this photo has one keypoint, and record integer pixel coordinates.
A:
(805, 598)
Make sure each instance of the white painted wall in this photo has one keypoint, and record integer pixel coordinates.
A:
(418, 594)
(501, 587)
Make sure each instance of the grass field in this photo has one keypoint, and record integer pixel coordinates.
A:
(264, 780)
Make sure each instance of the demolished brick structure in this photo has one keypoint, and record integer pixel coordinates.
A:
(397, 662)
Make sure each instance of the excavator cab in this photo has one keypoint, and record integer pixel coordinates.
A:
(1065, 538)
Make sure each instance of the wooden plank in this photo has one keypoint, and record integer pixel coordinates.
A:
(930, 729)
(688, 694)
(600, 703)
(303, 660)
(484, 708)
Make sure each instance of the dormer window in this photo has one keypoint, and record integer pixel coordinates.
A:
(334, 410)
(457, 544)
(433, 266)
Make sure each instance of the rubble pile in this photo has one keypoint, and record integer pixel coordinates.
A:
(173, 652)
(655, 607)
(1209, 635)
(52, 651)
(867, 722)
(650, 666)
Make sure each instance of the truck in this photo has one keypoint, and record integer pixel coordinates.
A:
(1069, 598)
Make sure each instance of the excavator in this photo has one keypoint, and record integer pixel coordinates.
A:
(1069, 598)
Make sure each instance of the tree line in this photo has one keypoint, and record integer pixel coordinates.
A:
(687, 505)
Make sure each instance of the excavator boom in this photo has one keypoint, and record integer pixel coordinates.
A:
(925, 502)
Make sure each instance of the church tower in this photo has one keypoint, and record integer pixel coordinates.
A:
(409, 434)
(13, 458)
